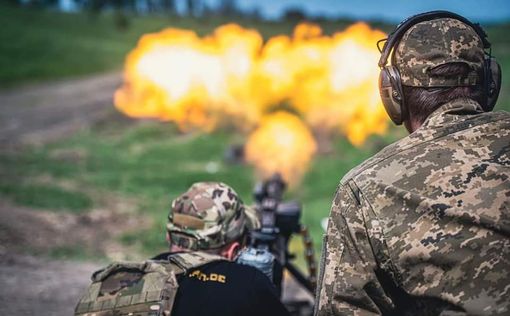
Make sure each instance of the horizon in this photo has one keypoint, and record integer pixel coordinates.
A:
(392, 11)
(378, 10)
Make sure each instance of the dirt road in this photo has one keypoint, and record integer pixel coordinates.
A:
(47, 112)
(37, 286)
(35, 114)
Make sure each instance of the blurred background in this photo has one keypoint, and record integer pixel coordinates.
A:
(111, 108)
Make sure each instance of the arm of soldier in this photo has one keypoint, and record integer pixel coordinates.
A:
(348, 284)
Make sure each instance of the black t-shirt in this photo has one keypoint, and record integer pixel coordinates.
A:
(225, 288)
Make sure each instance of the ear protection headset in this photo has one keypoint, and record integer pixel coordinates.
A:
(390, 84)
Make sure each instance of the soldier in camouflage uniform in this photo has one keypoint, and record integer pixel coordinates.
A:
(207, 225)
(210, 217)
(423, 227)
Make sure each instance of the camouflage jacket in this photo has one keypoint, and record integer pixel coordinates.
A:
(423, 227)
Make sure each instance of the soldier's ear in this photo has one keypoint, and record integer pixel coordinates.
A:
(230, 251)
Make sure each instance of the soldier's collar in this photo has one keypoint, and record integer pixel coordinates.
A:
(450, 112)
(449, 118)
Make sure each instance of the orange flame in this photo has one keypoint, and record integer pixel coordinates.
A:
(331, 80)
(281, 143)
(174, 75)
(232, 77)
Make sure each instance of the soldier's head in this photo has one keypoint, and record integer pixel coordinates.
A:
(210, 217)
(434, 58)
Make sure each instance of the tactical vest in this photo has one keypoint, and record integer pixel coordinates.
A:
(138, 289)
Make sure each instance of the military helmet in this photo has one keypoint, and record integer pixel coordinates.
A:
(208, 216)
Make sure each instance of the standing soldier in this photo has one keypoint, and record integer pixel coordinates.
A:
(423, 227)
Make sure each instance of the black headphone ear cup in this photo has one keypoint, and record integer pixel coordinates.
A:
(390, 90)
(493, 83)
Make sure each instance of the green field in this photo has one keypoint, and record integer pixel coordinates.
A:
(38, 44)
(146, 162)
(151, 163)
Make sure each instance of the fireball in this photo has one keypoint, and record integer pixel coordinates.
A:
(282, 143)
(232, 78)
(195, 82)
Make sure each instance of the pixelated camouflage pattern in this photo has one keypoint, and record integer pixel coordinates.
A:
(423, 227)
(432, 43)
(224, 216)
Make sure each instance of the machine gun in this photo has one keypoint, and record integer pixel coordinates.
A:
(269, 245)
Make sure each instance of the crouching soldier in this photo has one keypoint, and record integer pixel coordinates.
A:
(207, 226)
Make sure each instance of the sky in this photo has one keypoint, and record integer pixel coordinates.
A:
(388, 10)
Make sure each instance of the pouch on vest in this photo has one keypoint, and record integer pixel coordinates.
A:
(142, 289)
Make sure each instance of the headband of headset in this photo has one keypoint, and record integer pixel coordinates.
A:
(397, 34)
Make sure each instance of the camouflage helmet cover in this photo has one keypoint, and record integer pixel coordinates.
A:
(209, 215)
(429, 44)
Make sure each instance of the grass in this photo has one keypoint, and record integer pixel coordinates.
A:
(74, 253)
(151, 162)
(55, 45)
(46, 197)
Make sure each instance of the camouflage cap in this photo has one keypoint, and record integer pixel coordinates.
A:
(429, 44)
(209, 215)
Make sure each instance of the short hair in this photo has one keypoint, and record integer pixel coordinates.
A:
(421, 102)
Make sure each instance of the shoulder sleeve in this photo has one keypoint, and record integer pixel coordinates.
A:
(347, 282)
(265, 297)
